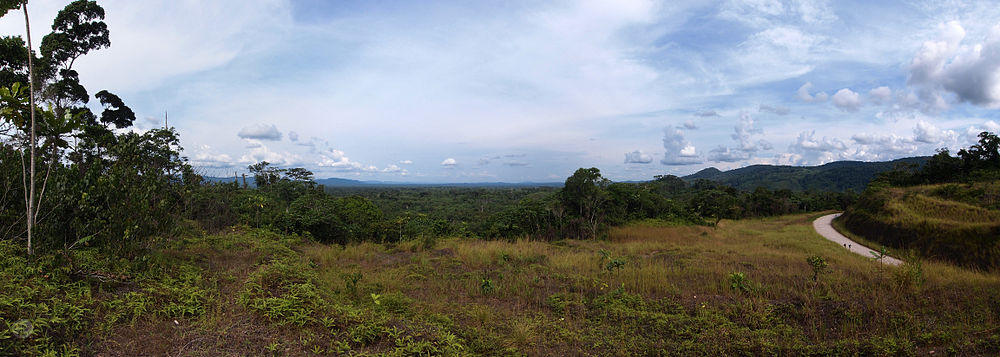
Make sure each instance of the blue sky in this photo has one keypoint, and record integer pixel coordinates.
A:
(530, 91)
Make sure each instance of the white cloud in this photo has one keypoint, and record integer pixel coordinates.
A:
(724, 154)
(807, 142)
(260, 132)
(338, 161)
(776, 109)
(803, 94)
(263, 153)
(880, 95)
(847, 100)
(394, 169)
(204, 157)
(293, 136)
(812, 151)
(706, 113)
(406, 162)
(745, 129)
(882, 147)
(690, 125)
(971, 72)
(677, 150)
(638, 157)
(927, 133)
(449, 162)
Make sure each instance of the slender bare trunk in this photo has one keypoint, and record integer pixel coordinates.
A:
(31, 101)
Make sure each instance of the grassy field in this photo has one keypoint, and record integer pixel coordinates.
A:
(952, 222)
(743, 288)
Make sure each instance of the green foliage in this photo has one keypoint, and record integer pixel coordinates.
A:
(819, 266)
(738, 282)
(609, 263)
(486, 286)
(351, 282)
(284, 291)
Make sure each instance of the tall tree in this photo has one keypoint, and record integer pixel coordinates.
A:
(584, 194)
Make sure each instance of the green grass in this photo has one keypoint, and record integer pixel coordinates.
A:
(742, 288)
(959, 223)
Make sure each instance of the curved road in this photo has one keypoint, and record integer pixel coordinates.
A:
(824, 228)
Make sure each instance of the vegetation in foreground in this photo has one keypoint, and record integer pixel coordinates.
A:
(759, 287)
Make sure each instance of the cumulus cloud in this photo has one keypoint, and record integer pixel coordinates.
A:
(293, 136)
(745, 129)
(803, 94)
(394, 169)
(678, 150)
(807, 142)
(205, 157)
(927, 133)
(338, 161)
(706, 113)
(264, 153)
(970, 72)
(880, 95)
(689, 124)
(882, 147)
(260, 132)
(812, 151)
(638, 157)
(406, 162)
(449, 162)
(744, 133)
(724, 154)
(776, 109)
(847, 100)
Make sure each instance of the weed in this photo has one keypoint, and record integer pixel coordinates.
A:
(738, 282)
(818, 264)
(486, 286)
(610, 263)
(351, 282)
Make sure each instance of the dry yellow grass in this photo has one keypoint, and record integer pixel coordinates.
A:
(688, 265)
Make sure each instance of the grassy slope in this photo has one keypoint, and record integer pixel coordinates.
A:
(952, 222)
(253, 292)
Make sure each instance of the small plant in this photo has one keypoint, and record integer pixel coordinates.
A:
(818, 265)
(486, 286)
(610, 263)
(273, 348)
(880, 257)
(376, 298)
(351, 282)
(738, 282)
(911, 273)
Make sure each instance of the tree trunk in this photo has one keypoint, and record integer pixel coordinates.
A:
(31, 101)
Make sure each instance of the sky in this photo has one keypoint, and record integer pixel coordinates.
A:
(529, 91)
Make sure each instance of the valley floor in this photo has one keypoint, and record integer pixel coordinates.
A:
(742, 288)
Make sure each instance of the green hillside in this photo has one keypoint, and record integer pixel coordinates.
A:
(836, 176)
(954, 222)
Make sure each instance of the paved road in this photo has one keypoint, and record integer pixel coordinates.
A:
(824, 228)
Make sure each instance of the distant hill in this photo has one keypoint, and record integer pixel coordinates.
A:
(835, 176)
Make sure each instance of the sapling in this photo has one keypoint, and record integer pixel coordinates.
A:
(880, 257)
(818, 265)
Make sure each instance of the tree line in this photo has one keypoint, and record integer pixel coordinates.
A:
(72, 178)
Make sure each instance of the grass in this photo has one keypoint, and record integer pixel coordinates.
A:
(742, 288)
(958, 223)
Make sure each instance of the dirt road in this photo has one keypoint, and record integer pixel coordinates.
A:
(824, 228)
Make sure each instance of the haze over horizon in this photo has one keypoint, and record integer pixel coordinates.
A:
(530, 91)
